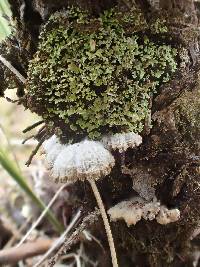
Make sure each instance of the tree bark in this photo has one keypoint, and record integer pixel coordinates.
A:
(169, 155)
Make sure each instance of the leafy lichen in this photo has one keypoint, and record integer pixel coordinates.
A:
(92, 76)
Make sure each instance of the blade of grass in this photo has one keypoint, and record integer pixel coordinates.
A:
(5, 8)
(13, 171)
(5, 134)
(4, 24)
(4, 28)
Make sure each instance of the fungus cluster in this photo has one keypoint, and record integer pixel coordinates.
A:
(133, 210)
(88, 160)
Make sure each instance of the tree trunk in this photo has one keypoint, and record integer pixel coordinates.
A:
(168, 160)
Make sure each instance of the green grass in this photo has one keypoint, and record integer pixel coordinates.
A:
(11, 166)
(4, 24)
(14, 172)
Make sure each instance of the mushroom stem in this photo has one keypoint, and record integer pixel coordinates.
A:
(105, 221)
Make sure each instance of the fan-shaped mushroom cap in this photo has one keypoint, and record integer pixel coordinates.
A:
(80, 161)
(52, 149)
(122, 141)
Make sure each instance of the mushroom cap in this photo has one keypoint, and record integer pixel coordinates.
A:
(122, 141)
(79, 161)
(52, 148)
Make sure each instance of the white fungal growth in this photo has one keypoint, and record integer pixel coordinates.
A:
(52, 148)
(133, 210)
(166, 216)
(80, 161)
(87, 160)
(130, 211)
(150, 210)
(84, 160)
(121, 141)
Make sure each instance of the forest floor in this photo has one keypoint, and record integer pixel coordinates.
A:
(16, 210)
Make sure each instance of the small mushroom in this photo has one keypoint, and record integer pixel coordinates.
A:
(82, 161)
(87, 160)
(52, 149)
(122, 141)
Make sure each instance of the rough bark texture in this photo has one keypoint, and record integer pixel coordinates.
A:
(169, 156)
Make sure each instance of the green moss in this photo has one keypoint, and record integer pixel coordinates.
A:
(159, 26)
(187, 114)
(92, 76)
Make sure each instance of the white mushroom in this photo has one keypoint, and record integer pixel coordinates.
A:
(87, 160)
(52, 149)
(81, 161)
(122, 141)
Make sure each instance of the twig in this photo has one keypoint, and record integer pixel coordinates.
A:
(20, 231)
(28, 138)
(39, 134)
(11, 100)
(12, 69)
(87, 260)
(29, 128)
(15, 254)
(41, 129)
(81, 253)
(60, 240)
(35, 224)
(34, 152)
(89, 220)
(75, 256)
(90, 237)
(11, 227)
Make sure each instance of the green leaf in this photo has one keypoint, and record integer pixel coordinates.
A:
(4, 25)
(14, 172)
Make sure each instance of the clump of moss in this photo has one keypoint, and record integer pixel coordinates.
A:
(91, 76)
(187, 115)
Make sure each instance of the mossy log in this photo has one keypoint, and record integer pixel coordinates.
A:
(167, 162)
